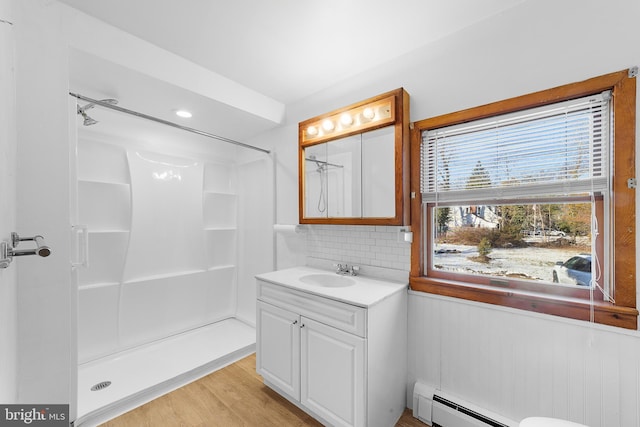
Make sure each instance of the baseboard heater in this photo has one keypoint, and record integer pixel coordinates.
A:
(439, 409)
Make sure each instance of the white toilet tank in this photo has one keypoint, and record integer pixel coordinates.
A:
(547, 422)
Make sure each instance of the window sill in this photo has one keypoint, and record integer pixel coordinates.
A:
(574, 308)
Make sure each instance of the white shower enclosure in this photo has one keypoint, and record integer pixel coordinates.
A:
(161, 233)
(168, 240)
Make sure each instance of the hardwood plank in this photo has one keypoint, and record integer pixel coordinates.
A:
(407, 420)
(232, 396)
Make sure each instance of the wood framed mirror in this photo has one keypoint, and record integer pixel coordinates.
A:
(353, 163)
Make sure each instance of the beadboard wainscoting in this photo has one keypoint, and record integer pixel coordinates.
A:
(523, 364)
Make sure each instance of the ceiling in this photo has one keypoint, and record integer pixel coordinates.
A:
(284, 49)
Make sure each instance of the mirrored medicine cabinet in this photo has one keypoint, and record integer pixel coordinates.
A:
(354, 163)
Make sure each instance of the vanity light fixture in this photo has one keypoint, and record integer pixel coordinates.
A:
(328, 125)
(341, 136)
(368, 113)
(184, 114)
(346, 119)
(351, 120)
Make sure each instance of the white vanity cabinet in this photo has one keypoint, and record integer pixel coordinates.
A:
(320, 366)
(278, 359)
(345, 364)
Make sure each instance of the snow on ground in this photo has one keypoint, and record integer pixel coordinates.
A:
(530, 262)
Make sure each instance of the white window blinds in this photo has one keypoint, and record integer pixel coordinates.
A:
(554, 150)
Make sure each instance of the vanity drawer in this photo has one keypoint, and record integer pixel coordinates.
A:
(346, 317)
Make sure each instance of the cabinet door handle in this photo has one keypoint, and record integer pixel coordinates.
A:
(295, 322)
(302, 326)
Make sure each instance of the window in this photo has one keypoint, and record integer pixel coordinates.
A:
(525, 202)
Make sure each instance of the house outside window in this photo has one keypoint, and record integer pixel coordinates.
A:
(525, 202)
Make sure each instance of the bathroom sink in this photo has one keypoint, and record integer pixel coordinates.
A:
(327, 280)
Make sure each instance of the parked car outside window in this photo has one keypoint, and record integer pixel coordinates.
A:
(575, 271)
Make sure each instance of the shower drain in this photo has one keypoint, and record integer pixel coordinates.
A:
(101, 385)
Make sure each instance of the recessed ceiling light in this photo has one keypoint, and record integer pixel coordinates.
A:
(183, 113)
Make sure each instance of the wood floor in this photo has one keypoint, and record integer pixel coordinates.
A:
(233, 396)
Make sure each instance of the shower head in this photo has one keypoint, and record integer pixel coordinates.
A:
(320, 165)
(88, 121)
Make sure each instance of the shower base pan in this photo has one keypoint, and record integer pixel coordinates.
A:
(142, 374)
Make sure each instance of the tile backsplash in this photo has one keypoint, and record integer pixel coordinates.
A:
(362, 245)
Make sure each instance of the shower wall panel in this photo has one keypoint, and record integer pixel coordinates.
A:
(161, 245)
(156, 308)
(166, 225)
(97, 320)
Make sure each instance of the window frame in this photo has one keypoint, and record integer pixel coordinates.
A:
(622, 312)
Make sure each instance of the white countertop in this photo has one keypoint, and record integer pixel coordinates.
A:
(365, 292)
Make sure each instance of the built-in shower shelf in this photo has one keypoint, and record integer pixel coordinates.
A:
(104, 205)
(164, 276)
(100, 160)
(105, 255)
(219, 178)
(97, 285)
(226, 194)
(220, 246)
(102, 186)
(220, 193)
(219, 210)
(222, 267)
(90, 181)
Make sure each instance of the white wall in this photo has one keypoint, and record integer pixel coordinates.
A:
(505, 360)
(45, 314)
(255, 231)
(8, 284)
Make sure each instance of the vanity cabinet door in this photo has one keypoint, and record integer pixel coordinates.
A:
(278, 348)
(333, 373)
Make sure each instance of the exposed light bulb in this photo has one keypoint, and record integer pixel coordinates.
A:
(312, 131)
(346, 119)
(327, 125)
(368, 113)
(184, 114)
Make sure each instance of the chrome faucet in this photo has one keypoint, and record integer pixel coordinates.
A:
(344, 270)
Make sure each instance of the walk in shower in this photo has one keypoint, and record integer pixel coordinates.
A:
(169, 235)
